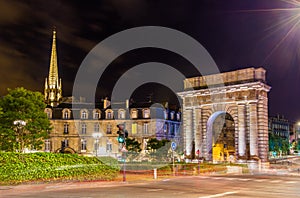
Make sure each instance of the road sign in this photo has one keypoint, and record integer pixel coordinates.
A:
(173, 145)
(124, 149)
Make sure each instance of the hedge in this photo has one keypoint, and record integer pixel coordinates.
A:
(19, 167)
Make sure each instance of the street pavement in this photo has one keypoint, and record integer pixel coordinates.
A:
(281, 180)
(183, 186)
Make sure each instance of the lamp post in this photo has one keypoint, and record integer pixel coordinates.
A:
(20, 125)
(97, 136)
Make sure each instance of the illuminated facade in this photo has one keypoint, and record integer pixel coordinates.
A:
(241, 94)
(94, 130)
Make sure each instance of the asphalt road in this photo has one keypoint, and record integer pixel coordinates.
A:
(188, 186)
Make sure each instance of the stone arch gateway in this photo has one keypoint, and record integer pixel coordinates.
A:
(244, 96)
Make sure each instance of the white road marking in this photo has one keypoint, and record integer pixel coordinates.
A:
(154, 190)
(53, 186)
(275, 181)
(291, 182)
(260, 180)
(230, 178)
(241, 179)
(220, 194)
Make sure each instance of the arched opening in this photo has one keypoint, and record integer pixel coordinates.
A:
(221, 137)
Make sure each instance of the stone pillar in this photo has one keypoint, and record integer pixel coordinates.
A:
(242, 132)
(197, 130)
(205, 114)
(253, 130)
(263, 139)
(188, 133)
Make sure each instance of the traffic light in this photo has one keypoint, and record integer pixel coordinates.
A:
(122, 133)
(121, 139)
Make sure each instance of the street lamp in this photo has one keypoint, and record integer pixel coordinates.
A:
(20, 125)
(97, 136)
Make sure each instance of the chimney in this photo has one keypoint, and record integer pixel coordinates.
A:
(127, 103)
(106, 103)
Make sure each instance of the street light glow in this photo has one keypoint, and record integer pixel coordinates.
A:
(19, 123)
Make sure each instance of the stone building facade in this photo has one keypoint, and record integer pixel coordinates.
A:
(280, 126)
(95, 132)
(242, 94)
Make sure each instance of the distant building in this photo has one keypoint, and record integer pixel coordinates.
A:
(280, 126)
(91, 129)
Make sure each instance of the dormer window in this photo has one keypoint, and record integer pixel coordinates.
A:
(146, 113)
(178, 116)
(96, 114)
(49, 113)
(84, 114)
(134, 113)
(172, 115)
(66, 114)
(165, 115)
(109, 114)
(121, 114)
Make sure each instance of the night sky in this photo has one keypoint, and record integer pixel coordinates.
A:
(237, 34)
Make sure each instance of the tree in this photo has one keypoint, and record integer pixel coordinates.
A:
(278, 144)
(154, 144)
(133, 145)
(158, 149)
(28, 106)
(298, 145)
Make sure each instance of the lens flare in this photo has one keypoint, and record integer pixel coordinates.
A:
(284, 28)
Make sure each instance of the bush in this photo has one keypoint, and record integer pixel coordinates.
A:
(19, 167)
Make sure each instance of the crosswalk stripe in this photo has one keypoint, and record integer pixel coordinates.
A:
(230, 178)
(241, 179)
(291, 182)
(275, 181)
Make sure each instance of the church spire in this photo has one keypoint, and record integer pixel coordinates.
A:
(53, 71)
(53, 83)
